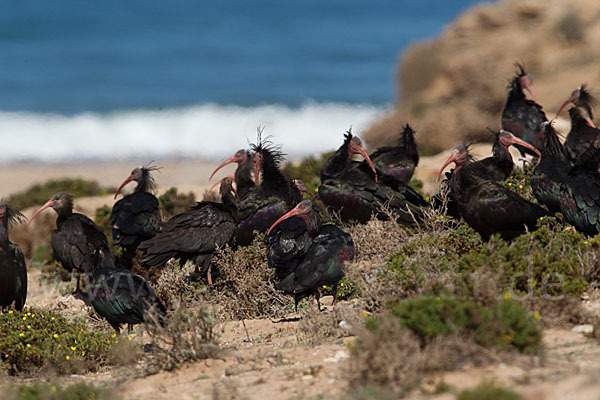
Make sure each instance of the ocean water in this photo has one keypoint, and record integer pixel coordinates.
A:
(146, 78)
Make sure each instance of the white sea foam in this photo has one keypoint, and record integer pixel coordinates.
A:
(209, 131)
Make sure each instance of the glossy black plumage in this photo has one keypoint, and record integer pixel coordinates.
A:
(120, 296)
(398, 162)
(499, 166)
(581, 134)
(76, 237)
(306, 254)
(350, 188)
(13, 271)
(551, 171)
(195, 234)
(275, 195)
(136, 217)
(580, 192)
(520, 115)
(490, 208)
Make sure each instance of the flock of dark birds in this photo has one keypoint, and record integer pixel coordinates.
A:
(305, 253)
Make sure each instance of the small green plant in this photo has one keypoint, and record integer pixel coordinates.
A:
(346, 289)
(50, 391)
(503, 324)
(172, 203)
(102, 219)
(488, 391)
(308, 170)
(38, 194)
(34, 338)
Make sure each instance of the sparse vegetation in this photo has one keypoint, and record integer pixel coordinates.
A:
(54, 391)
(102, 219)
(308, 170)
(39, 193)
(36, 338)
(172, 203)
(488, 391)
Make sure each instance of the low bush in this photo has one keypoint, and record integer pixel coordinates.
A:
(172, 203)
(38, 194)
(51, 391)
(488, 391)
(308, 170)
(35, 339)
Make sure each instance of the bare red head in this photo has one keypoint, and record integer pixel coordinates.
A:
(302, 210)
(257, 161)
(61, 203)
(302, 189)
(458, 156)
(135, 176)
(527, 84)
(507, 139)
(574, 99)
(239, 157)
(356, 147)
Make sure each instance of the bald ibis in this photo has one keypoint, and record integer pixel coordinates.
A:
(359, 191)
(522, 116)
(552, 169)
(581, 97)
(499, 166)
(243, 173)
(13, 272)
(582, 133)
(398, 162)
(76, 237)
(322, 263)
(269, 200)
(120, 296)
(487, 206)
(580, 192)
(195, 234)
(136, 217)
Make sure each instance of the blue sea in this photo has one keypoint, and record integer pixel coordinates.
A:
(155, 79)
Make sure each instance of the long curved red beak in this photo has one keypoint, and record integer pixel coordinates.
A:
(224, 163)
(515, 140)
(293, 212)
(363, 153)
(125, 182)
(219, 181)
(563, 106)
(590, 122)
(49, 203)
(449, 161)
(304, 189)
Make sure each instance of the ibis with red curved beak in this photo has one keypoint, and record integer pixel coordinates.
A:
(76, 237)
(13, 272)
(582, 134)
(520, 115)
(243, 173)
(487, 206)
(351, 188)
(306, 254)
(581, 97)
(136, 217)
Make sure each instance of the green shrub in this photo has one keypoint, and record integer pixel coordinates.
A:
(102, 219)
(308, 170)
(36, 338)
(503, 324)
(172, 203)
(49, 391)
(38, 194)
(488, 391)
(346, 289)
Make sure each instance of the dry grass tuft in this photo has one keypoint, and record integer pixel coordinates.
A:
(187, 336)
(316, 327)
(173, 285)
(246, 285)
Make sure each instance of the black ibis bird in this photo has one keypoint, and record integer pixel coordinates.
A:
(243, 173)
(552, 169)
(195, 234)
(582, 133)
(499, 166)
(13, 272)
(136, 217)
(580, 192)
(358, 191)
(319, 264)
(487, 206)
(76, 236)
(274, 196)
(522, 116)
(400, 161)
(120, 296)
(581, 97)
